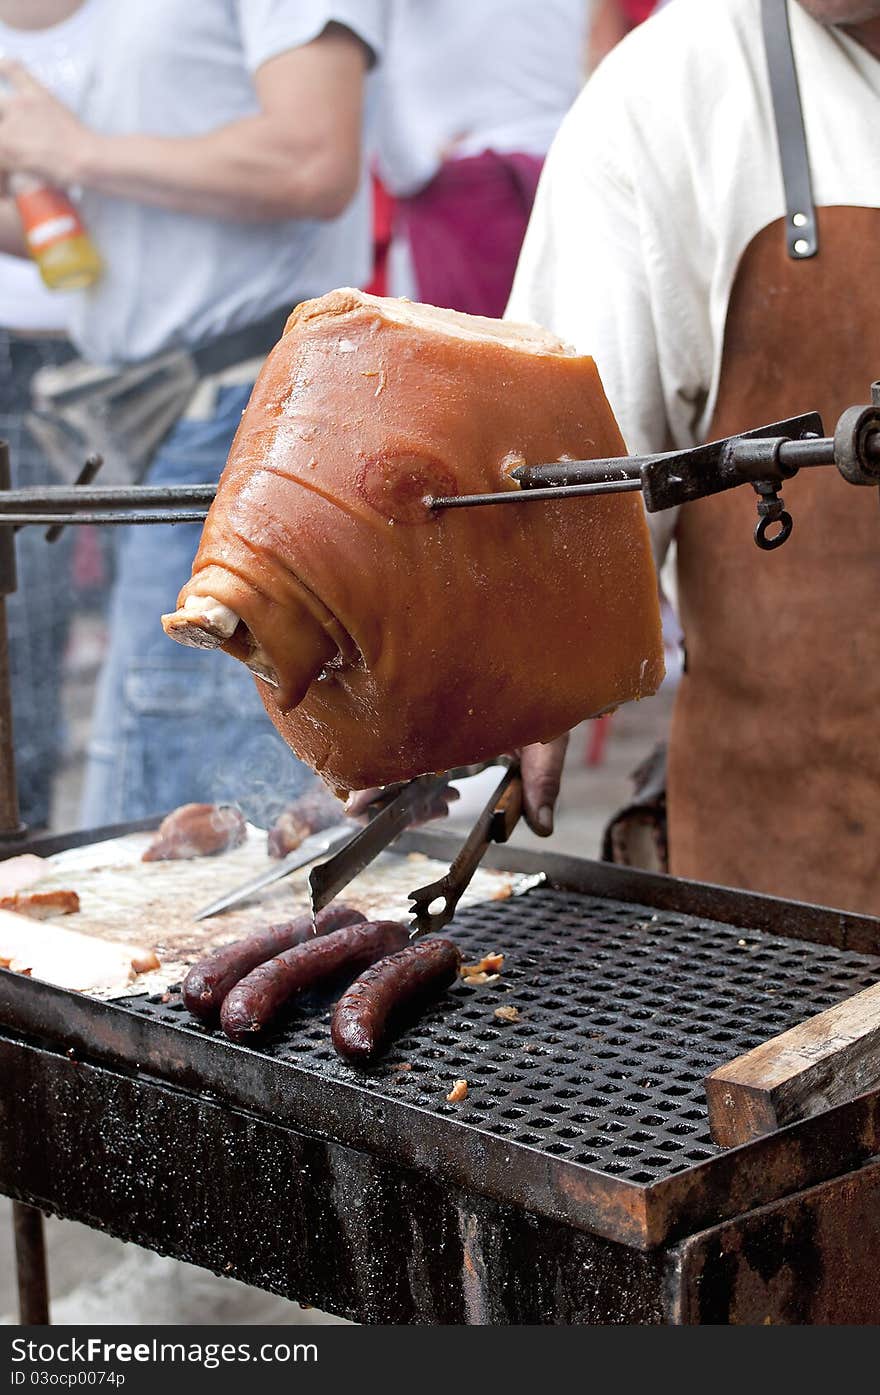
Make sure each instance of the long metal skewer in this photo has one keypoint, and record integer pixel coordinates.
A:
(519, 496)
(75, 499)
(58, 506)
(765, 457)
(121, 518)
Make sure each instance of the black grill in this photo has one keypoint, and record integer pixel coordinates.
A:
(623, 1012)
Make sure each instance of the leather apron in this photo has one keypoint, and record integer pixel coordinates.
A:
(774, 760)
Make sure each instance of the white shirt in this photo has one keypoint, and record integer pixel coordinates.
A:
(60, 58)
(465, 76)
(661, 176)
(184, 68)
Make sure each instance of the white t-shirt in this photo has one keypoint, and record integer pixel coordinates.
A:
(60, 58)
(661, 176)
(464, 76)
(181, 68)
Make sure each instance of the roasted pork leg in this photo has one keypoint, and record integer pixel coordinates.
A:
(392, 640)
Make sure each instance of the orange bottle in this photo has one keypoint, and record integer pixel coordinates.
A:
(67, 258)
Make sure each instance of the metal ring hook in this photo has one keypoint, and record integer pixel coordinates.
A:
(763, 526)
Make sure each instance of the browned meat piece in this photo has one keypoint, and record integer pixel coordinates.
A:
(311, 813)
(41, 905)
(143, 960)
(197, 830)
(489, 964)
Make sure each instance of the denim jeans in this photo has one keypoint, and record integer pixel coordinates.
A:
(171, 724)
(38, 613)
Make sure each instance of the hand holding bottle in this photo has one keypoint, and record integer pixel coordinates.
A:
(38, 140)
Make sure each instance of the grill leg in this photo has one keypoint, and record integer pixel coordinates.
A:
(30, 1263)
(9, 819)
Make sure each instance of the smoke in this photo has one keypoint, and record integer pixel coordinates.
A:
(260, 777)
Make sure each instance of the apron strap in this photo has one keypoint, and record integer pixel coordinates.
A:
(801, 232)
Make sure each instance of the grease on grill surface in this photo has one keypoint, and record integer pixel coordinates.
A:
(622, 1013)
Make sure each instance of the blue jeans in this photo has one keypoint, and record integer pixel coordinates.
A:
(39, 611)
(171, 724)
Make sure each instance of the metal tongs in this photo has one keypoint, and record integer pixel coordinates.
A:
(353, 847)
(327, 879)
(494, 825)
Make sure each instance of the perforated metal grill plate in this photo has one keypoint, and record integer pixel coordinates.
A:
(622, 1013)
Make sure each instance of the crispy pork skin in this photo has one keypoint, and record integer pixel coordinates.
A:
(399, 640)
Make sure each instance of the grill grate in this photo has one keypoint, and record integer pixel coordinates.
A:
(622, 1013)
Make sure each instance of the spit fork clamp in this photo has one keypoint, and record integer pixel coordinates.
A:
(765, 458)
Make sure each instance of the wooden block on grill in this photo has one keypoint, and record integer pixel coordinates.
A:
(824, 1061)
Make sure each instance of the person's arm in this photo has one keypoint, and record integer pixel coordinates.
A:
(608, 25)
(298, 157)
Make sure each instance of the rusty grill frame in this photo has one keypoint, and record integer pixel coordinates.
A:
(295, 1082)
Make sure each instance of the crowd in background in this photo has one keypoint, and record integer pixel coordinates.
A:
(230, 158)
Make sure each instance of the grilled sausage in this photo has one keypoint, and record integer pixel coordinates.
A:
(208, 981)
(361, 1023)
(256, 1002)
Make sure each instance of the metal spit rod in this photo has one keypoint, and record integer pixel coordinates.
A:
(57, 499)
(744, 451)
(534, 496)
(58, 506)
(765, 457)
(572, 479)
(120, 518)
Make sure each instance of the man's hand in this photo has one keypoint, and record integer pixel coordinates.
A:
(541, 775)
(39, 134)
(436, 807)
